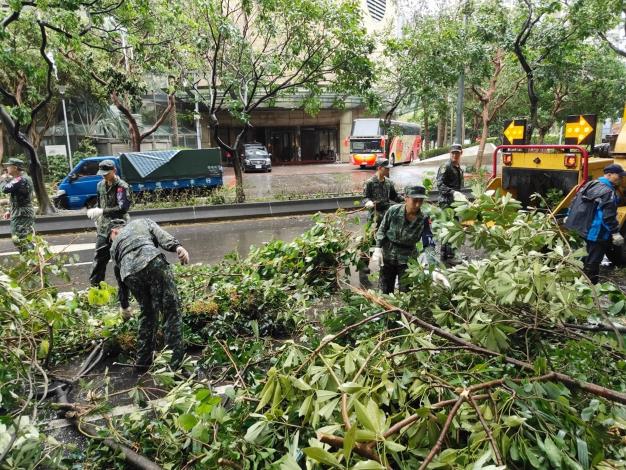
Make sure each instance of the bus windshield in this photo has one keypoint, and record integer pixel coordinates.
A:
(366, 128)
(365, 145)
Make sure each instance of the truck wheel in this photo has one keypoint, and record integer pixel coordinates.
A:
(91, 202)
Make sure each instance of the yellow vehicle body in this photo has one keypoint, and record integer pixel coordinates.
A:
(526, 170)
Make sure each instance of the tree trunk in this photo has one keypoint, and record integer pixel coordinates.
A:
(174, 122)
(240, 195)
(1, 142)
(542, 134)
(36, 173)
(426, 129)
(133, 128)
(478, 164)
(441, 131)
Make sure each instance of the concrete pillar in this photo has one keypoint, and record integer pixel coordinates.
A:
(345, 128)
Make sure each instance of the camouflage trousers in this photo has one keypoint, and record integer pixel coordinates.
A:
(155, 290)
(369, 240)
(21, 228)
(389, 272)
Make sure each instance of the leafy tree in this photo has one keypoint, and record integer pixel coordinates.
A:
(251, 53)
(29, 32)
(421, 67)
(142, 47)
(490, 73)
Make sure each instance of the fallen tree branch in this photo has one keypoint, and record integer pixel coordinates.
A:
(132, 458)
(494, 446)
(442, 435)
(347, 329)
(567, 380)
(358, 448)
(411, 419)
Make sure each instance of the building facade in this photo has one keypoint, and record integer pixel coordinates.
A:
(289, 133)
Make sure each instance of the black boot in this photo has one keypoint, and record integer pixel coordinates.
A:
(592, 270)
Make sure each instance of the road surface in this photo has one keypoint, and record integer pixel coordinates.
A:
(206, 243)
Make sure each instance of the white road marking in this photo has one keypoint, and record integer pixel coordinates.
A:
(62, 248)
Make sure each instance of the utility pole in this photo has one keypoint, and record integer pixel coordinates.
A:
(458, 134)
(458, 137)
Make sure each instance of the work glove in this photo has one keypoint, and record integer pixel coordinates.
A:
(183, 255)
(377, 257)
(459, 196)
(94, 213)
(369, 205)
(6, 216)
(618, 240)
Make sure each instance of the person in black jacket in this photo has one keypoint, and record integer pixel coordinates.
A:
(450, 181)
(593, 214)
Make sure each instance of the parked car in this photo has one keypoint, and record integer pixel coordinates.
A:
(144, 172)
(255, 157)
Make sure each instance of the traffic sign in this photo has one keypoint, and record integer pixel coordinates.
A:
(514, 132)
(580, 129)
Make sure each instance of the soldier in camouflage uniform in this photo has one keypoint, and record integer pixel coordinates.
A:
(397, 237)
(450, 181)
(18, 185)
(135, 249)
(379, 193)
(113, 203)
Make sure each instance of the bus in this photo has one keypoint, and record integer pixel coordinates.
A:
(368, 138)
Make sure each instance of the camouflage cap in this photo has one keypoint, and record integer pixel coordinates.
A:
(105, 166)
(14, 161)
(415, 192)
(384, 163)
(456, 148)
(115, 223)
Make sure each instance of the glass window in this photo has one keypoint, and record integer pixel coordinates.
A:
(88, 169)
(365, 146)
(366, 127)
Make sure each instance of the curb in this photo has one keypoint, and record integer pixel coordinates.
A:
(191, 214)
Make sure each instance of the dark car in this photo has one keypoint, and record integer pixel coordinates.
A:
(256, 158)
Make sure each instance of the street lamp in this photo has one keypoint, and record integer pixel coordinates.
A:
(62, 89)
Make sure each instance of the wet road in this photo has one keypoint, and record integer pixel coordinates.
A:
(206, 243)
(329, 179)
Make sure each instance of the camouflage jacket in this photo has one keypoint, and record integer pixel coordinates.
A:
(138, 243)
(114, 201)
(20, 191)
(449, 179)
(398, 237)
(382, 193)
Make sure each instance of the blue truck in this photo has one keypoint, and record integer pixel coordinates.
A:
(145, 172)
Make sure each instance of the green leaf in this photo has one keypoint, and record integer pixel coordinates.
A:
(368, 465)
(553, 452)
(187, 421)
(394, 446)
(364, 417)
(348, 442)
(350, 387)
(254, 432)
(321, 456)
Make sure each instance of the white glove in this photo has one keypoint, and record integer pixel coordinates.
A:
(459, 196)
(183, 255)
(377, 257)
(618, 240)
(369, 205)
(94, 213)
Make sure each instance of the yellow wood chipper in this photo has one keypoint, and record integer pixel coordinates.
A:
(556, 169)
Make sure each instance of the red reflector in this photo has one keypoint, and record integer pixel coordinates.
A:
(570, 160)
(507, 158)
